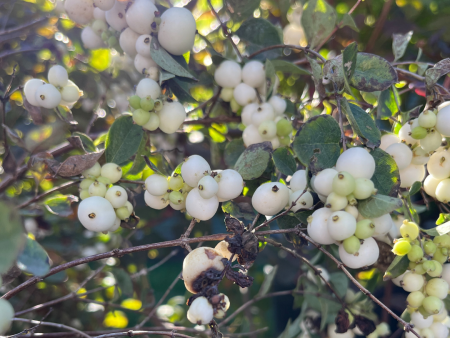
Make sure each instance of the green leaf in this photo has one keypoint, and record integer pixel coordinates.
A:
(11, 239)
(123, 280)
(302, 215)
(387, 106)
(399, 44)
(123, 140)
(66, 115)
(267, 283)
(33, 258)
(60, 205)
(240, 210)
(181, 90)
(232, 151)
(441, 229)
(317, 144)
(259, 33)
(349, 63)
(270, 74)
(240, 10)
(362, 123)
(289, 67)
(317, 75)
(163, 75)
(292, 329)
(289, 222)
(340, 283)
(378, 205)
(254, 160)
(166, 61)
(441, 68)
(318, 21)
(323, 313)
(443, 218)
(373, 73)
(386, 177)
(139, 161)
(87, 142)
(284, 161)
(398, 266)
(347, 20)
(415, 188)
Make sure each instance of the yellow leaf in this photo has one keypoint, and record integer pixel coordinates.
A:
(100, 59)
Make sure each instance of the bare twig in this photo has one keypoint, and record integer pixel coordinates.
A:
(132, 333)
(379, 26)
(209, 120)
(59, 326)
(305, 49)
(32, 329)
(48, 192)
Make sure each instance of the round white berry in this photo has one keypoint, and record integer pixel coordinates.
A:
(412, 282)
(96, 214)
(230, 184)
(401, 154)
(228, 74)
(251, 135)
(439, 330)
(244, 94)
(143, 64)
(367, 254)
(200, 312)
(117, 196)
(79, 11)
(97, 189)
(30, 89)
(57, 76)
(155, 202)
(99, 14)
(140, 16)
(70, 93)
(420, 156)
(336, 202)
(7, 312)
(116, 225)
(439, 164)
(247, 112)
(279, 104)
(323, 183)
(112, 171)
(194, 169)
(148, 87)
(115, 17)
(357, 162)
(387, 140)
(93, 172)
(171, 116)
(352, 210)
(263, 113)
(430, 184)
(419, 321)
(143, 45)
(90, 39)
(411, 174)
(127, 41)
(341, 225)
(405, 133)
(443, 191)
(318, 226)
(153, 122)
(177, 30)
(298, 181)
(201, 208)
(254, 74)
(48, 96)
(104, 5)
(270, 198)
(207, 187)
(432, 141)
(382, 224)
(156, 184)
(305, 201)
(437, 287)
(443, 119)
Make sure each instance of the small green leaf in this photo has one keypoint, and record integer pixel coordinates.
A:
(123, 280)
(270, 74)
(289, 67)
(340, 283)
(11, 239)
(318, 21)
(123, 140)
(254, 160)
(181, 89)
(323, 313)
(415, 188)
(347, 20)
(378, 205)
(398, 266)
(232, 151)
(443, 218)
(258, 33)
(167, 61)
(66, 115)
(267, 283)
(241, 210)
(386, 177)
(139, 161)
(33, 258)
(362, 124)
(317, 144)
(387, 106)
(61, 205)
(284, 161)
(441, 68)
(399, 44)
(87, 142)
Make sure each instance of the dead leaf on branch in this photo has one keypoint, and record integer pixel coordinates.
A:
(74, 165)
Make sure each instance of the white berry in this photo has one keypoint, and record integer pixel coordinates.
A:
(70, 93)
(323, 182)
(90, 39)
(251, 135)
(279, 105)
(230, 184)
(244, 94)
(48, 96)
(432, 141)
(270, 198)
(430, 184)
(367, 255)
(201, 208)
(96, 214)
(439, 164)
(142, 45)
(412, 282)
(405, 133)
(419, 321)
(30, 89)
(156, 184)
(148, 87)
(79, 11)
(193, 169)
(171, 116)
(341, 225)
(207, 187)
(115, 17)
(112, 171)
(127, 42)
(304, 202)
(387, 140)
(443, 191)
(228, 74)
(411, 174)
(140, 16)
(443, 119)
(263, 113)
(104, 5)
(254, 74)
(401, 154)
(247, 112)
(155, 202)
(200, 312)
(57, 76)
(357, 162)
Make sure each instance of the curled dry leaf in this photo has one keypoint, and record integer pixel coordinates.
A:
(342, 322)
(35, 112)
(76, 142)
(74, 165)
(366, 325)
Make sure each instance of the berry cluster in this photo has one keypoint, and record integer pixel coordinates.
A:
(198, 190)
(427, 279)
(103, 205)
(196, 265)
(152, 111)
(242, 87)
(59, 91)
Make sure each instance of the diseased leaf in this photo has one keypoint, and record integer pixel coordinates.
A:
(61, 205)
(399, 44)
(289, 67)
(11, 239)
(441, 68)
(123, 140)
(123, 281)
(254, 160)
(347, 20)
(318, 21)
(317, 75)
(362, 124)
(33, 258)
(349, 63)
(378, 205)
(386, 177)
(284, 161)
(317, 144)
(387, 106)
(267, 283)
(166, 61)
(398, 266)
(258, 33)
(232, 151)
(74, 165)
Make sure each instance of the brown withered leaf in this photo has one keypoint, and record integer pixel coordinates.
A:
(234, 225)
(74, 165)
(76, 142)
(366, 325)
(342, 322)
(35, 112)
(239, 278)
(132, 222)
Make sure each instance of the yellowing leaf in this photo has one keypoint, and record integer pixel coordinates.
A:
(100, 59)
(116, 319)
(132, 304)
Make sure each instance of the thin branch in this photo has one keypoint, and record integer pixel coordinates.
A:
(17, 51)
(131, 182)
(209, 120)
(304, 49)
(213, 102)
(22, 27)
(48, 192)
(32, 329)
(59, 326)
(132, 333)
(379, 26)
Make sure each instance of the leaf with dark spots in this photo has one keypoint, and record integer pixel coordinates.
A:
(399, 44)
(342, 322)
(441, 68)
(366, 325)
(373, 73)
(234, 225)
(35, 112)
(254, 160)
(74, 165)
(386, 177)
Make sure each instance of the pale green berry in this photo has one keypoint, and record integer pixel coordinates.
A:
(352, 245)
(123, 213)
(437, 287)
(152, 123)
(176, 182)
(427, 119)
(343, 183)
(135, 102)
(284, 127)
(432, 305)
(364, 229)
(97, 189)
(93, 172)
(442, 241)
(409, 230)
(437, 272)
(415, 299)
(147, 103)
(112, 171)
(141, 117)
(176, 197)
(234, 105)
(84, 194)
(419, 133)
(284, 140)
(429, 247)
(364, 188)
(86, 183)
(104, 180)
(419, 269)
(352, 200)
(441, 255)
(158, 105)
(227, 94)
(429, 266)
(415, 254)
(336, 202)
